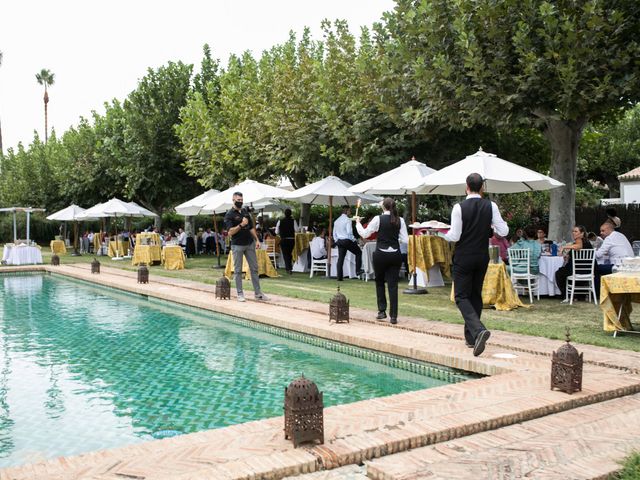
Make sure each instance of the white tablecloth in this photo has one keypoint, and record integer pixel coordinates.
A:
(349, 266)
(21, 255)
(435, 278)
(547, 277)
(301, 264)
(367, 260)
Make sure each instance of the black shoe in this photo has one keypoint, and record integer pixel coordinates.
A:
(481, 341)
(394, 320)
(340, 280)
(468, 345)
(382, 315)
(360, 272)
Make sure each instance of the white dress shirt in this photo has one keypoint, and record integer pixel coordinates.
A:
(615, 247)
(342, 229)
(318, 247)
(497, 223)
(182, 238)
(374, 226)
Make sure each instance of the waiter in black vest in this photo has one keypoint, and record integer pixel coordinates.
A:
(387, 258)
(472, 225)
(287, 228)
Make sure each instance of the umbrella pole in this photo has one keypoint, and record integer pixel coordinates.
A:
(414, 290)
(75, 239)
(330, 235)
(117, 257)
(215, 229)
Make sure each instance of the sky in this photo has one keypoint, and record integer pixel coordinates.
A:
(99, 50)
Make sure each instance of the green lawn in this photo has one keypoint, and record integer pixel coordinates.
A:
(547, 318)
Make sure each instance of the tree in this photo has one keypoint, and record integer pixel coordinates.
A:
(1, 121)
(556, 65)
(153, 165)
(46, 78)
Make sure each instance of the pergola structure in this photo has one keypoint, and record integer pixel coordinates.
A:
(28, 211)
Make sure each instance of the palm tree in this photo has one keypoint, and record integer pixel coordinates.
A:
(46, 78)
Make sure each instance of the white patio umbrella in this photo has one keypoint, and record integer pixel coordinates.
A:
(72, 213)
(193, 206)
(401, 180)
(118, 208)
(500, 176)
(323, 192)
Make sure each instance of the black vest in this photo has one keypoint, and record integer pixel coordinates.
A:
(476, 227)
(287, 229)
(388, 234)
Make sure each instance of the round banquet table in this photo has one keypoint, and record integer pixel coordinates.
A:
(547, 278)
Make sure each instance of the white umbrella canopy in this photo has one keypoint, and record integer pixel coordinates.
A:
(69, 214)
(397, 181)
(193, 206)
(328, 191)
(256, 194)
(500, 176)
(142, 211)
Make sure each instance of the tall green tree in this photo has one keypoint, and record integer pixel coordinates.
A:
(1, 150)
(553, 64)
(47, 78)
(153, 159)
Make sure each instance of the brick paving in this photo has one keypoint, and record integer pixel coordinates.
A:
(517, 390)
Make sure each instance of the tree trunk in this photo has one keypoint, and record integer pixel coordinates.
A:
(564, 138)
(305, 213)
(46, 128)
(157, 221)
(188, 225)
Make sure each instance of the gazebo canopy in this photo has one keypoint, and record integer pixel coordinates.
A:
(28, 211)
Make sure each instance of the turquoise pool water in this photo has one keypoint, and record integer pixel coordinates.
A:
(84, 368)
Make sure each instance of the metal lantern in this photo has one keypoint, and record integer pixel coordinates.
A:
(339, 308)
(223, 288)
(143, 274)
(566, 368)
(303, 412)
(55, 259)
(95, 266)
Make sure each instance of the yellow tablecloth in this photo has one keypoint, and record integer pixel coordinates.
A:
(173, 257)
(497, 289)
(153, 239)
(57, 246)
(112, 248)
(431, 250)
(265, 267)
(147, 254)
(302, 243)
(618, 290)
(97, 243)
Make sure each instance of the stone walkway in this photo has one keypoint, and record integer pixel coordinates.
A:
(377, 430)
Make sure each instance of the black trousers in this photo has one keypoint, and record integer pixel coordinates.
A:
(286, 245)
(386, 266)
(561, 278)
(345, 246)
(468, 276)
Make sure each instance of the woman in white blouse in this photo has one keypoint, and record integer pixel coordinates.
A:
(387, 257)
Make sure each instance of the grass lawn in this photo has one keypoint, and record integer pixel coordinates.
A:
(547, 318)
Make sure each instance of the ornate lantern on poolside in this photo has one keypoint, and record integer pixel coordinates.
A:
(303, 412)
(95, 266)
(55, 260)
(339, 308)
(223, 288)
(143, 274)
(566, 368)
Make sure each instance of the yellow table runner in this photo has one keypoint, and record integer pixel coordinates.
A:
(302, 243)
(58, 247)
(497, 289)
(97, 244)
(431, 250)
(265, 267)
(146, 254)
(173, 257)
(112, 248)
(618, 290)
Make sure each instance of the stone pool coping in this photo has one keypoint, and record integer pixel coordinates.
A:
(515, 390)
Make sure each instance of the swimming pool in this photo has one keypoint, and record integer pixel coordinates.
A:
(85, 368)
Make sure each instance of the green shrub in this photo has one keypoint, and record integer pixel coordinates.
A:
(630, 468)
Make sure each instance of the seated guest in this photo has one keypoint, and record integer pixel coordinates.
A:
(502, 243)
(346, 241)
(612, 217)
(535, 249)
(318, 245)
(614, 248)
(541, 236)
(580, 242)
(596, 241)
